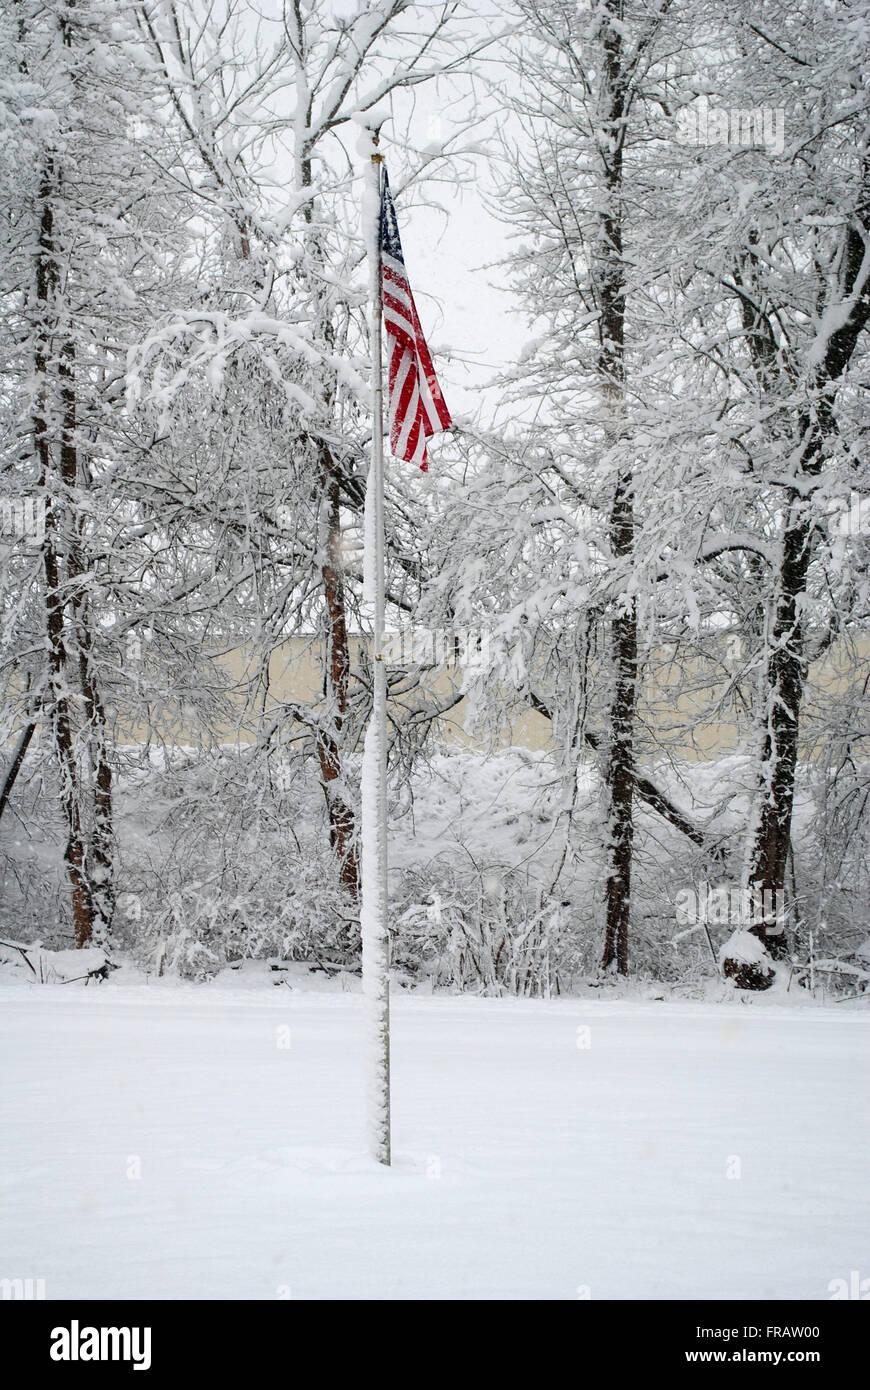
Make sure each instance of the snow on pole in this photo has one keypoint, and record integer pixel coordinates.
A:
(373, 915)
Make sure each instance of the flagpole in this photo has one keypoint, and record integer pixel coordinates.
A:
(375, 889)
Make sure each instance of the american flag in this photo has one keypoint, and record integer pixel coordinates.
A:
(417, 408)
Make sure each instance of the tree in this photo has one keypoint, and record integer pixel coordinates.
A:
(783, 234)
(78, 194)
(585, 75)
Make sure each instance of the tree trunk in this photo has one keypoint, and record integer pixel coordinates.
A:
(619, 772)
(87, 856)
(15, 766)
(619, 775)
(336, 676)
(785, 679)
(99, 863)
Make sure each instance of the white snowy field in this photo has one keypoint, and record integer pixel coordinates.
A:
(162, 1141)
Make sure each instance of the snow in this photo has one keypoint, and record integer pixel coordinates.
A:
(836, 315)
(55, 967)
(532, 1158)
(744, 948)
(370, 122)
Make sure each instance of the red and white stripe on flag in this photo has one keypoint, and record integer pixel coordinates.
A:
(417, 409)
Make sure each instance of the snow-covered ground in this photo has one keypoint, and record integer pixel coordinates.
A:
(164, 1140)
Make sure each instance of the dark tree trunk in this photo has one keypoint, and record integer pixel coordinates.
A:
(58, 704)
(336, 677)
(15, 766)
(99, 865)
(785, 679)
(88, 850)
(619, 773)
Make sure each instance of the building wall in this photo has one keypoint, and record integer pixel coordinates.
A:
(696, 709)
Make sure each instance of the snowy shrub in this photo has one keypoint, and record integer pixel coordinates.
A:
(231, 868)
(224, 855)
(832, 868)
(486, 929)
(33, 897)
